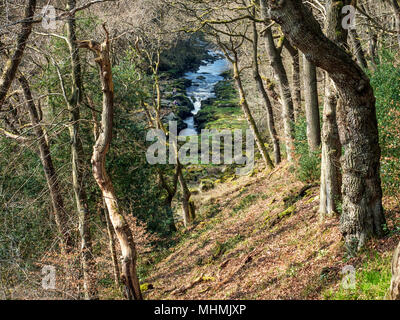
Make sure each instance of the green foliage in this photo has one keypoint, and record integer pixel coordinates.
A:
(135, 180)
(25, 218)
(186, 54)
(309, 162)
(386, 83)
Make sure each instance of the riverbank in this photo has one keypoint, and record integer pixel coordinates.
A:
(223, 111)
(204, 97)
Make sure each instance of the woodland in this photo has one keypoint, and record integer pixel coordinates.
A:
(312, 87)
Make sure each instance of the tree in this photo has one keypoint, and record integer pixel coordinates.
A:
(362, 215)
(267, 102)
(394, 291)
(275, 60)
(312, 107)
(331, 177)
(13, 62)
(396, 10)
(124, 235)
(78, 167)
(60, 213)
(230, 49)
(296, 83)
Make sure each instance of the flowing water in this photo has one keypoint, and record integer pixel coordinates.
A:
(203, 83)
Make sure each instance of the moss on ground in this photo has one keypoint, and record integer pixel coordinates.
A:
(223, 111)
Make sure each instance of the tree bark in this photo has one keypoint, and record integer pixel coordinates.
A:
(362, 215)
(78, 165)
(396, 10)
(284, 88)
(311, 105)
(124, 235)
(267, 103)
(373, 42)
(331, 177)
(188, 210)
(60, 213)
(12, 64)
(296, 83)
(394, 291)
(171, 191)
(111, 242)
(249, 116)
(358, 50)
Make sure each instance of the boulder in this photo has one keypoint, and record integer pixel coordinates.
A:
(184, 112)
(170, 117)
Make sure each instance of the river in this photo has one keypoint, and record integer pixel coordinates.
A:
(202, 88)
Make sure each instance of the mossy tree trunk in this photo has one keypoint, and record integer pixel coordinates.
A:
(331, 177)
(357, 48)
(267, 103)
(52, 179)
(11, 66)
(276, 63)
(296, 82)
(362, 215)
(78, 164)
(171, 191)
(396, 10)
(311, 104)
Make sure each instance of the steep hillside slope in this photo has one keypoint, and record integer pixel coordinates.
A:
(260, 237)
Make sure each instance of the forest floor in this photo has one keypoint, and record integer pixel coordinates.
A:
(260, 237)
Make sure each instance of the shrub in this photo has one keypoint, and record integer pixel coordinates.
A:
(309, 163)
(386, 83)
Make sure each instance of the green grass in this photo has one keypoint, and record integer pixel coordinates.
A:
(245, 203)
(372, 281)
(224, 111)
(223, 247)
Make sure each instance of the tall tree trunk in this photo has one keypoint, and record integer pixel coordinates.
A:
(372, 39)
(373, 42)
(396, 10)
(188, 210)
(394, 291)
(124, 235)
(157, 123)
(60, 213)
(331, 177)
(357, 47)
(78, 165)
(362, 215)
(296, 83)
(111, 242)
(267, 103)
(11, 66)
(171, 191)
(284, 88)
(248, 115)
(311, 105)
